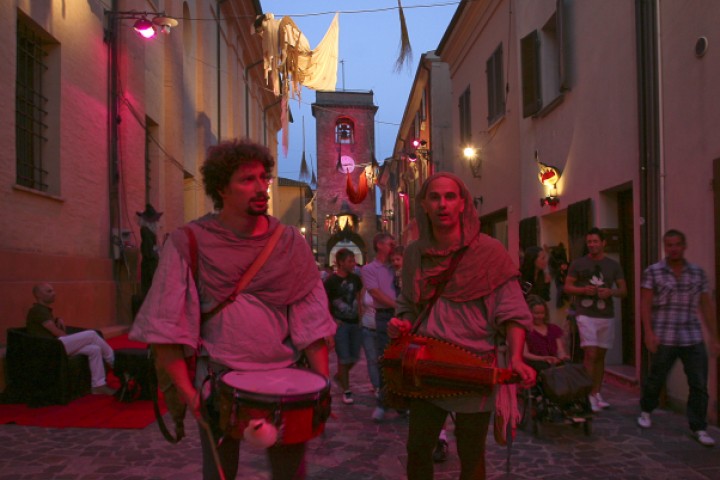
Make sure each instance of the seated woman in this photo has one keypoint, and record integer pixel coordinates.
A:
(544, 343)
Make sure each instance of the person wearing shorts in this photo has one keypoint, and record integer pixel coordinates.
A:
(594, 279)
(343, 290)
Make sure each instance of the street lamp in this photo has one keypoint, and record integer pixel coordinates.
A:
(144, 27)
(472, 154)
(146, 24)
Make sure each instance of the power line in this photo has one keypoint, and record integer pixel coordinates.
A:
(333, 12)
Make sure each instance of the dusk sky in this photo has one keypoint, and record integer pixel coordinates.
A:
(369, 46)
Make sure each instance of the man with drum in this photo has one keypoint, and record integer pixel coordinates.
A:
(463, 288)
(242, 292)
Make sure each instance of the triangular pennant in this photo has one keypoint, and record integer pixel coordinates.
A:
(362, 191)
(304, 172)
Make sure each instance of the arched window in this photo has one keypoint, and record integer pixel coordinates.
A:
(344, 131)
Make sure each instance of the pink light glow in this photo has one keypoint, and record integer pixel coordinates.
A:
(145, 28)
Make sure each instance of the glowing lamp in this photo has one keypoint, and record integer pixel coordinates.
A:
(145, 28)
(548, 175)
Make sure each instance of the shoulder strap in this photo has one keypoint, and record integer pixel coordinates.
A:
(250, 272)
(443, 281)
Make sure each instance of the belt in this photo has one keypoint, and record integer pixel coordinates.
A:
(384, 310)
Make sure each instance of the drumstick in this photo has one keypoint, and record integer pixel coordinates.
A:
(205, 427)
(216, 457)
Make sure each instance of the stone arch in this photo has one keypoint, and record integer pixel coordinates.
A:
(350, 237)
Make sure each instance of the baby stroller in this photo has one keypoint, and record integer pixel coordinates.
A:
(560, 396)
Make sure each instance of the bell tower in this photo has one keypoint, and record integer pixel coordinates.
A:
(345, 139)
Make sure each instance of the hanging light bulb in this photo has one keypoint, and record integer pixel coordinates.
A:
(145, 28)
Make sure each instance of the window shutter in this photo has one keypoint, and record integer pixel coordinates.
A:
(495, 87)
(528, 233)
(579, 220)
(465, 125)
(561, 19)
(531, 88)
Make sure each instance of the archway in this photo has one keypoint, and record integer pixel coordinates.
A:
(347, 239)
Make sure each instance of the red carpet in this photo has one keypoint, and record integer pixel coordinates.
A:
(90, 411)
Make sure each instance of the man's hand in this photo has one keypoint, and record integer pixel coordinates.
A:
(398, 327)
(552, 360)
(192, 400)
(604, 293)
(60, 324)
(526, 372)
(590, 290)
(651, 341)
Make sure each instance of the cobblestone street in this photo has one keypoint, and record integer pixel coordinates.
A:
(355, 448)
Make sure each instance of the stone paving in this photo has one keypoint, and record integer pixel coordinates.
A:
(355, 448)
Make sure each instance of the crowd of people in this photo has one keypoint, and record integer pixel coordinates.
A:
(237, 291)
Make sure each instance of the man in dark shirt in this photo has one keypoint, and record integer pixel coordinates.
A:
(343, 291)
(595, 279)
(41, 322)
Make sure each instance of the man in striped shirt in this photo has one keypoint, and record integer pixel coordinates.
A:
(673, 292)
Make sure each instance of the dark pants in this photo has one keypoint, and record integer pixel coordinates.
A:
(382, 318)
(426, 421)
(287, 462)
(695, 363)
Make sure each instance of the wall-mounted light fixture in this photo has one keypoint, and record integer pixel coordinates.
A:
(421, 151)
(550, 201)
(144, 28)
(472, 155)
(548, 175)
(147, 24)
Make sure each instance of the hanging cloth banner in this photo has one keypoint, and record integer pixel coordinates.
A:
(362, 191)
(289, 62)
(287, 53)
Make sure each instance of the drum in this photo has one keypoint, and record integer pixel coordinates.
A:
(294, 401)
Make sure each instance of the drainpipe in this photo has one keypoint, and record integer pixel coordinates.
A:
(649, 129)
(219, 74)
(113, 173)
(247, 96)
(646, 18)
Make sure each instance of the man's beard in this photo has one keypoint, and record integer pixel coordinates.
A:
(257, 213)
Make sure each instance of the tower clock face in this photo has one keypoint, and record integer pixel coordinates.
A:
(347, 164)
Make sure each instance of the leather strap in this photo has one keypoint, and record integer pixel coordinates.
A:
(249, 273)
(442, 281)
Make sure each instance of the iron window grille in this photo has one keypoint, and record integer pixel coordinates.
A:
(31, 109)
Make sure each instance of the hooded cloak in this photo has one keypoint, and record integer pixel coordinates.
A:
(485, 265)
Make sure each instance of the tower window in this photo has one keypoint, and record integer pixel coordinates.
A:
(344, 131)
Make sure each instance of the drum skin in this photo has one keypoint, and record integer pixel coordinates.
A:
(296, 401)
(416, 366)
